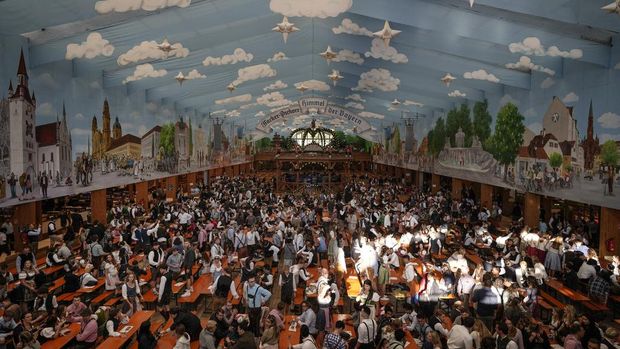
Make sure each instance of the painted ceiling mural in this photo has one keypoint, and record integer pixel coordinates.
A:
(109, 91)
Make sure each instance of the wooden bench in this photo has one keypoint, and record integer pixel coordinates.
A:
(102, 297)
(149, 299)
(550, 299)
(67, 297)
(112, 301)
(595, 307)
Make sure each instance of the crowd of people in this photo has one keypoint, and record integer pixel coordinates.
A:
(408, 250)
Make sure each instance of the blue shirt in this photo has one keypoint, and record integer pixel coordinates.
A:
(255, 296)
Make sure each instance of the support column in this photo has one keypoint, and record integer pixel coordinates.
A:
(171, 188)
(546, 203)
(142, 193)
(99, 206)
(457, 185)
(24, 215)
(435, 183)
(191, 180)
(531, 209)
(420, 179)
(486, 195)
(609, 229)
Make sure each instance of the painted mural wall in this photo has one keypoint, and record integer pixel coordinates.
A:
(561, 138)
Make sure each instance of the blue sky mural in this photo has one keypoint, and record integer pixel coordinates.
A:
(157, 60)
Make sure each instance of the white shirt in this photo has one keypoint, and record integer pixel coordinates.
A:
(459, 338)
(367, 331)
(586, 271)
(410, 272)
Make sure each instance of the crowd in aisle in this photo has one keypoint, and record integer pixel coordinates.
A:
(379, 264)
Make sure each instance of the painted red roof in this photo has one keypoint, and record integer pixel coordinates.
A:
(128, 138)
(46, 134)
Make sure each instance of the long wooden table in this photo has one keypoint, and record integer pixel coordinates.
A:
(62, 341)
(135, 321)
(566, 292)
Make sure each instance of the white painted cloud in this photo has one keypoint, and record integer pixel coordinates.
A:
(278, 56)
(151, 107)
(273, 99)
(607, 137)
(79, 116)
(310, 8)
(371, 115)
(194, 74)
(107, 6)
(609, 120)
(507, 99)
(413, 103)
(355, 97)
(278, 85)
(145, 71)
(315, 85)
(238, 55)
(457, 93)
(347, 26)
(233, 113)
(218, 112)
(481, 74)
(260, 114)
(548, 82)
(348, 56)
(571, 97)
(531, 112)
(525, 63)
(532, 46)
(234, 99)
(94, 85)
(95, 45)
(379, 50)
(254, 72)
(148, 50)
(46, 109)
(248, 106)
(535, 127)
(354, 105)
(380, 79)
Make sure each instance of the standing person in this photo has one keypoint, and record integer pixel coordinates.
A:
(269, 339)
(155, 258)
(486, 301)
(96, 252)
(29, 187)
(334, 340)
(44, 182)
(503, 341)
(33, 237)
(12, 182)
(207, 338)
(254, 297)
(164, 291)
(324, 297)
(183, 339)
(130, 291)
(287, 291)
(367, 330)
(88, 330)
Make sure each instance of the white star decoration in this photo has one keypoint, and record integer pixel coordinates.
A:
(447, 79)
(302, 88)
(386, 34)
(614, 7)
(165, 46)
(231, 87)
(335, 76)
(180, 78)
(328, 54)
(285, 27)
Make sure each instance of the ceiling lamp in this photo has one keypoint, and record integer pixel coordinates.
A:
(614, 7)
(328, 54)
(180, 78)
(471, 3)
(302, 88)
(447, 79)
(231, 87)
(335, 76)
(285, 27)
(386, 34)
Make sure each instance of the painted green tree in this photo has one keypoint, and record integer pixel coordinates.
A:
(555, 160)
(395, 141)
(166, 138)
(508, 136)
(482, 121)
(340, 140)
(437, 137)
(609, 153)
(459, 118)
(263, 143)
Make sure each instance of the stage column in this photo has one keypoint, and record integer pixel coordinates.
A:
(531, 210)
(171, 188)
(457, 185)
(99, 205)
(486, 195)
(609, 229)
(142, 193)
(435, 183)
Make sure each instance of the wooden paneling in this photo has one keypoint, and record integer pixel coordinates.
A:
(486, 195)
(99, 205)
(610, 229)
(142, 193)
(531, 210)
